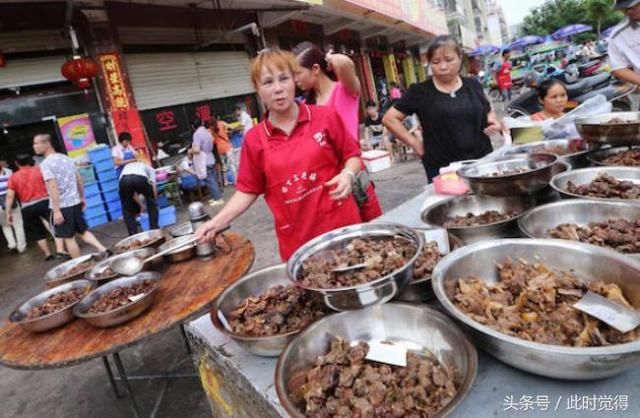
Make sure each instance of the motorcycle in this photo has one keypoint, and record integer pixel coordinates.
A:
(617, 93)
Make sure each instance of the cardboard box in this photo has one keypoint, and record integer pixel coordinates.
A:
(376, 160)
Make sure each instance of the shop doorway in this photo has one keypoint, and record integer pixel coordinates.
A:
(18, 139)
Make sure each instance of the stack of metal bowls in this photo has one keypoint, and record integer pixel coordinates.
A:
(359, 296)
(416, 328)
(587, 262)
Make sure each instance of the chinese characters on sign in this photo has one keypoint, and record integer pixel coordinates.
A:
(113, 81)
(203, 112)
(166, 120)
(569, 403)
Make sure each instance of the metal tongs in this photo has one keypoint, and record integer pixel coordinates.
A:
(612, 313)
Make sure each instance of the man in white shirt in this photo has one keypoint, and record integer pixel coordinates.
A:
(246, 123)
(624, 43)
(138, 177)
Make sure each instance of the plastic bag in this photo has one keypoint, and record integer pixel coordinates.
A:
(565, 128)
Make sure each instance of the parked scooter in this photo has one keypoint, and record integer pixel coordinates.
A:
(616, 93)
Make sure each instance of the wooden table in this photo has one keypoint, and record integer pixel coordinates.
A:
(186, 289)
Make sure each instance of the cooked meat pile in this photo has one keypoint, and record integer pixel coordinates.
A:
(135, 244)
(606, 186)
(57, 302)
(120, 297)
(344, 385)
(572, 148)
(630, 158)
(427, 260)
(485, 218)
(279, 310)
(106, 274)
(620, 234)
(532, 302)
(382, 256)
(77, 269)
(501, 173)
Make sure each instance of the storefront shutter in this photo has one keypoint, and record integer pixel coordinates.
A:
(166, 79)
(31, 71)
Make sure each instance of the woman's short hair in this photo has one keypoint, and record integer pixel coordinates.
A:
(274, 59)
(443, 41)
(545, 86)
(124, 136)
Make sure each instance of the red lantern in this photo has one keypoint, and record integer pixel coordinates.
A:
(80, 71)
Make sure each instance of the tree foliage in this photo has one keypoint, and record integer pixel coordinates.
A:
(554, 14)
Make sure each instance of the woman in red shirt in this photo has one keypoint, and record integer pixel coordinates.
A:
(309, 194)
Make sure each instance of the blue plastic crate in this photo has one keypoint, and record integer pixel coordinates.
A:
(94, 210)
(109, 186)
(162, 201)
(94, 200)
(115, 215)
(107, 176)
(104, 165)
(113, 205)
(87, 173)
(93, 221)
(91, 189)
(110, 196)
(166, 217)
(99, 153)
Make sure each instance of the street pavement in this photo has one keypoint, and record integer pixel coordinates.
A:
(83, 390)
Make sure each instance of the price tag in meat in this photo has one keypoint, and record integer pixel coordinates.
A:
(389, 353)
(616, 315)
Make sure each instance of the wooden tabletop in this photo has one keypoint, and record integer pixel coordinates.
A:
(185, 289)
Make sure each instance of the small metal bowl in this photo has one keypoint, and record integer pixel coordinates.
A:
(181, 230)
(587, 262)
(539, 168)
(598, 157)
(586, 175)
(597, 129)
(439, 212)
(417, 328)
(181, 254)
(95, 273)
(420, 290)
(575, 160)
(124, 313)
(53, 320)
(356, 297)
(253, 284)
(61, 273)
(155, 236)
(538, 222)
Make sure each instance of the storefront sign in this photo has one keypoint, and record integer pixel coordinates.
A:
(115, 86)
(128, 120)
(77, 134)
(417, 13)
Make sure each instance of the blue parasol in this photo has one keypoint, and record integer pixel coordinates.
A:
(525, 41)
(484, 50)
(571, 30)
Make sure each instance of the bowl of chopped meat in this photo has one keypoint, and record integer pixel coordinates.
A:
(521, 174)
(334, 368)
(51, 308)
(102, 272)
(623, 156)
(119, 300)
(572, 151)
(71, 270)
(618, 128)
(477, 217)
(358, 265)
(599, 183)
(153, 238)
(263, 311)
(516, 297)
(614, 225)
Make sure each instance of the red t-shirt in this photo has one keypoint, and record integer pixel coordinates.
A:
(28, 184)
(251, 173)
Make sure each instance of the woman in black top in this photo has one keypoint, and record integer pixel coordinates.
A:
(455, 115)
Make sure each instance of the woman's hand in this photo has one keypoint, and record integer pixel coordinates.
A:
(343, 186)
(208, 230)
(494, 126)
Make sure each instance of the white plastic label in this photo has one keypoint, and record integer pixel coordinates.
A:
(389, 353)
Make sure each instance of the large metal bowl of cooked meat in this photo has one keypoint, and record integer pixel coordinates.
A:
(572, 151)
(153, 238)
(618, 128)
(613, 225)
(263, 311)
(515, 298)
(326, 370)
(437, 244)
(521, 174)
(119, 300)
(51, 308)
(616, 156)
(71, 270)
(357, 266)
(599, 183)
(478, 217)
(103, 272)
